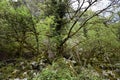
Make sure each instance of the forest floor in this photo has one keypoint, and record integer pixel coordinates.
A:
(22, 69)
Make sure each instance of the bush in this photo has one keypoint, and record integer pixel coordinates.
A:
(64, 70)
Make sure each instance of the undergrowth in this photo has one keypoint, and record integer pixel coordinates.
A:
(64, 70)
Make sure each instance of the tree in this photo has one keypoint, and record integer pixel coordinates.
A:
(63, 13)
(59, 12)
(18, 24)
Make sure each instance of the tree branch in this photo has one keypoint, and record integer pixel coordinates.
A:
(97, 13)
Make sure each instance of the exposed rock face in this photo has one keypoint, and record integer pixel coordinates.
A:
(30, 4)
(14, 0)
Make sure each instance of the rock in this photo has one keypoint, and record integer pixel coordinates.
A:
(117, 71)
(35, 65)
(15, 71)
(25, 74)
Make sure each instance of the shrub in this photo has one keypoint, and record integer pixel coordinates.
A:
(64, 70)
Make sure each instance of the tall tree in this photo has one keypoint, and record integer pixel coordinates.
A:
(58, 9)
(61, 8)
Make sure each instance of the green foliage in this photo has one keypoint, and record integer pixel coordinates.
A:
(23, 34)
(96, 41)
(64, 70)
(58, 71)
(5, 71)
(17, 24)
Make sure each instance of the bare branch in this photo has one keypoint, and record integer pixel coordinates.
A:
(83, 24)
(80, 16)
(90, 18)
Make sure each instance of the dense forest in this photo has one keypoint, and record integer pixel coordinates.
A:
(59, 39)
